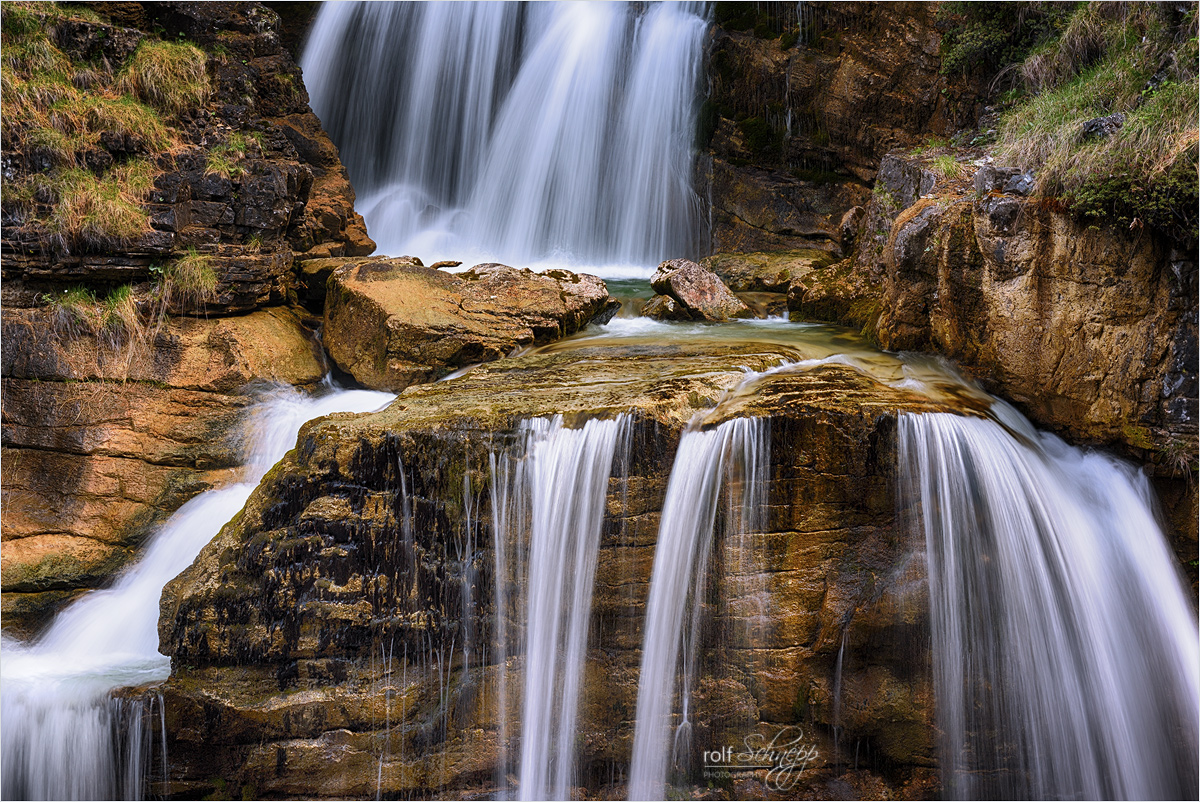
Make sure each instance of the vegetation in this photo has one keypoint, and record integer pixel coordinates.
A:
(100, 212)
(1110, 121)
(981, 38)
(948, 167)
(189, 280)
(225, 160)
(168, 75)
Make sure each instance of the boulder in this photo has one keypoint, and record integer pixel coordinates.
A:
(765, 272)
(392, 323)
(698, 291)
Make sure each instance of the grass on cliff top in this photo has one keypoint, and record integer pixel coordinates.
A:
(55, 112)
(1132, 59)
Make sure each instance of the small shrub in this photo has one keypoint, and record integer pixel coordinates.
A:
(167, 75)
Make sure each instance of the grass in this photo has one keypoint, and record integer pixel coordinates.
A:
(189, 280)
(100, 212)
(225, 159)
(1126, 59)
(948, 167)
(168, 75)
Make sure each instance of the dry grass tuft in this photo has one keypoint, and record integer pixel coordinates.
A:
(189, 281)
(167, 75)
(101, 212)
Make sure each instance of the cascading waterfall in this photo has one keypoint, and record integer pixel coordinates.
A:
(548, 132)
(563, 478)
(64, 736)
(737, 449)
(1065, 647)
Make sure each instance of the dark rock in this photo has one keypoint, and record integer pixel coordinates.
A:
(992, 179)
(1102, 127)
(1021, 184)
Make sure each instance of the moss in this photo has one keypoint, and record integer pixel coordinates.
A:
(1137, 436)
(761, 138)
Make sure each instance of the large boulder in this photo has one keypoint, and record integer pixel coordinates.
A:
(392, 323)
(772, 271)
(699, 293)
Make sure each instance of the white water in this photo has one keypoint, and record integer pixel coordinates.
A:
(63, 737)
(1065, 647)
(540, 134)
(563, 478)
(734, 451)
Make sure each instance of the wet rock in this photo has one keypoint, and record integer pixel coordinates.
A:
(319, 614)
(764, 272)
(392, 322)
(105, 435)
(698, 291)
(664, 307)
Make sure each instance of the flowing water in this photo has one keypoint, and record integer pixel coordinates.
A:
(735, 452)
(541, 133)
(64, 737)
(560, 481)
(1064, 642)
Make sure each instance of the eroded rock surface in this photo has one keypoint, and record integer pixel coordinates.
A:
(392, 323)
(697, 292)
(335, 602)
(103, 438)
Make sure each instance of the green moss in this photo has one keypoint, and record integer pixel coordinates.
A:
(1137, 436)
(761, 138)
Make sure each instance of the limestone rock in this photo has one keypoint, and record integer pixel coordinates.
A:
(392, 322)
(276, 630)
(105, 436)
(698, 291)
(765, 272)
(663, 307)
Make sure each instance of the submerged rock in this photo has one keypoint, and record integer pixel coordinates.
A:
(698, 291)
(392, 323)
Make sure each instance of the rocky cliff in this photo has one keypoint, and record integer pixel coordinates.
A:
(318, 642)
(163, 175)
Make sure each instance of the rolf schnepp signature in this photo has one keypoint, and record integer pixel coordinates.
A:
(784, 757)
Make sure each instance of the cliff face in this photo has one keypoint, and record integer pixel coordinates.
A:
(135, 223)
(321, 643)
(796, 124)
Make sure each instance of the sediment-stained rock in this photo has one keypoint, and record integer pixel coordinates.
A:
(335, 601)
(392, 323)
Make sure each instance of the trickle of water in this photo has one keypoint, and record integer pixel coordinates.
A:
(61, 737)
(735, 451)
(562, 477)
(1065, 649)
(558, 132)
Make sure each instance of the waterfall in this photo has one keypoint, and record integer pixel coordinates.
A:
(564, 481)
(736, 450)
(548, 132)
(64, 737)
(1065, 646)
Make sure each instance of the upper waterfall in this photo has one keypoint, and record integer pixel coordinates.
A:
(525, 133)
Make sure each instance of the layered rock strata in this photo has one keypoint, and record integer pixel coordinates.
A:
(317, 642)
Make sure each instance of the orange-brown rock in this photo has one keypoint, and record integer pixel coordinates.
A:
(105, 435)
(391, 323)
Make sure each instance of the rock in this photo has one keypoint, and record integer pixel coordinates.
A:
(104, 437)
(764, 272)
(276, 631)
(391, 323)
(1102, 127)
(444, 264)
(851, 222)
(663, 307)
(989, 178)
(1021, 184)
(698, 291)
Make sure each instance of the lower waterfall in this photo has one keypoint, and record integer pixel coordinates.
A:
(563, 478)
(64, 735)
(1065, 646)
(736, 449)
